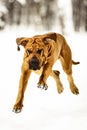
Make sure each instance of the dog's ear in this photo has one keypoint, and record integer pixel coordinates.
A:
(49, 37)
(21, 41)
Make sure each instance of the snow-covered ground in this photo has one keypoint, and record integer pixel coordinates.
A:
(43, 110)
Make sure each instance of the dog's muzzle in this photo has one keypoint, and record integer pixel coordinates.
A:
(34, 64)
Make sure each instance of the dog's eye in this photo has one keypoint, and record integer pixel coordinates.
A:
(29, 51)
(39, 51)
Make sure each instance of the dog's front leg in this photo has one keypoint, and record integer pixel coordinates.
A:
(22, 86)
(45, 74)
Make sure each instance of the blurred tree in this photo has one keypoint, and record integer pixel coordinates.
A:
(14, 11)
(85, 13)
(80, 14)
(48, 11)
(3, 13)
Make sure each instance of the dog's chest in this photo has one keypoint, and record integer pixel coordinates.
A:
(39, 71)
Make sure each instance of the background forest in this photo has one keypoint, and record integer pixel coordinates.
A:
(44, 14)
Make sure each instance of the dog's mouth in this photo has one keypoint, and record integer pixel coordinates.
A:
(34, 64)
(34, 67)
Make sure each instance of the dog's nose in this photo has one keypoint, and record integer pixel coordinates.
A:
(34, 64)
(34, 61)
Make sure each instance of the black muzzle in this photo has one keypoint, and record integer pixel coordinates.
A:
(34, 64)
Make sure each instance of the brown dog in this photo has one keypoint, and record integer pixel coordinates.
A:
(41, 52)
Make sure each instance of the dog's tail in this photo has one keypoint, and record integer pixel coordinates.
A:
(75, 63)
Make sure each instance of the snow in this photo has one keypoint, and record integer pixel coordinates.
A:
(43, 110)
(3, 8)
(22, 1)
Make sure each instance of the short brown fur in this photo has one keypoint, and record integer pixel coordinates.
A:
(41, 52)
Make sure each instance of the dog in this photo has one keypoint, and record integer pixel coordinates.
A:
(41, 52)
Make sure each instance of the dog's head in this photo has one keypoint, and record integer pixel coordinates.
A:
(37, 49)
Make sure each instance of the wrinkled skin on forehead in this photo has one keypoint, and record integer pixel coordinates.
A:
(36, 44)
(35, 48)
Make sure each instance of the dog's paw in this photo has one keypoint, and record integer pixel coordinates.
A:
(42, 86)
(60, 89)
(16, 110)
(74, 89)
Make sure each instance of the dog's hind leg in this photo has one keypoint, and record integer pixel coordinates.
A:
(66, 61)
(55, 75)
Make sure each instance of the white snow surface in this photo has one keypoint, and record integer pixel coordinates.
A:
(43, 110)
